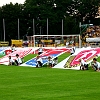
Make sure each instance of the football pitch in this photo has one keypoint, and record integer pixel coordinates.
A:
(28, 83)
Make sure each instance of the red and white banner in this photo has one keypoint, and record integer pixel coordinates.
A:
(21, 52)
(86, 55)
(7, 52)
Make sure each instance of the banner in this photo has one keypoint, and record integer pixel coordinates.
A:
(47, 41)
(97, 39)
(21, 52)
(2, 43)
(8, 52)
(86, 55)
(17, 43)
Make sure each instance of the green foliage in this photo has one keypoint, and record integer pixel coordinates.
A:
(10, 14)
(71, 11)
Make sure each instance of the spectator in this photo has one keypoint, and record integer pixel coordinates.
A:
(11, 61)
(88, 45)
(73, 49)
(13, 48)
(95, 65)
(67, 43)
(50, 62)
(39, 61)
(55, 61)
(18, 60)
(40, 50)
(55, 44)
(83, 65)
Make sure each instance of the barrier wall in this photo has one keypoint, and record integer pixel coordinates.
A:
(4, 43)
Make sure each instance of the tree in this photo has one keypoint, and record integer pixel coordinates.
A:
(84, 10)
(71, 11)
(55, 10)
(10, 13)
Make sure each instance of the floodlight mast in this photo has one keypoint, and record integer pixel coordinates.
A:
(18, 30)
(47, 28)
(4, 28)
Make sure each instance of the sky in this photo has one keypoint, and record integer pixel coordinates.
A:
(4, 2)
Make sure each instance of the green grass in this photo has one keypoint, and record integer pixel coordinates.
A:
(63, 56)
(98, 59)
(25, 83)
(30, 56)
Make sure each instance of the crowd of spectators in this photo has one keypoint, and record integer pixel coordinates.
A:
(91, 32)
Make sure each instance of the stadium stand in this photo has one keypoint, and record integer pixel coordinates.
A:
(91, 32)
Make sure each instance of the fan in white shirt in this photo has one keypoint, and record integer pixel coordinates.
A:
(39, 61)
(95, 65)
(55, 60)
(11, 61)
(13, 48)
(72, 49)
(83, 65)
(18, 60)
(67, 43)
(50, 62)
(40, 50)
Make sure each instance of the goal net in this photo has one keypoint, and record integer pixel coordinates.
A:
(53, 40)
